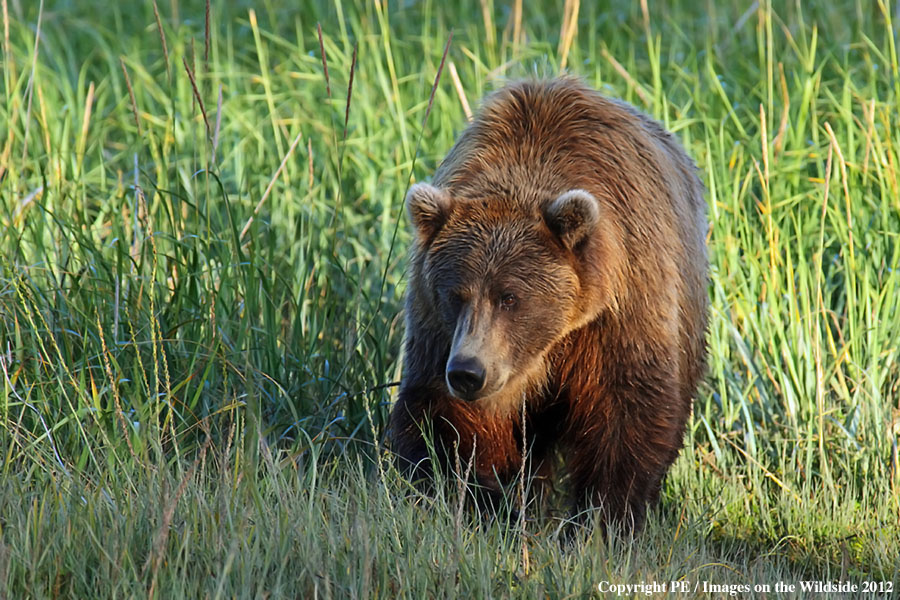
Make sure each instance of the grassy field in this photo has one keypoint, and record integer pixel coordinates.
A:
(202, 265)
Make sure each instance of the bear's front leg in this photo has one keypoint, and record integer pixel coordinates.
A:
(461, 433)
(624, 440)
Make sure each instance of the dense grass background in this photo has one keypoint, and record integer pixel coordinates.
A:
(199, 347)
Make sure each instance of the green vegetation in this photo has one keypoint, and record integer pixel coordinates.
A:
(198, 348)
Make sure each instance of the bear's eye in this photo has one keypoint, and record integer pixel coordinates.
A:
(455, 299)
(508, 301)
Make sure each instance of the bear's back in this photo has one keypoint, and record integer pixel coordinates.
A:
(535, 139)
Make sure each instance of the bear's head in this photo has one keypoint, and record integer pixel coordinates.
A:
(505, 280)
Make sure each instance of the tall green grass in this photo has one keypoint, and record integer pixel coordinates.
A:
(201, 274)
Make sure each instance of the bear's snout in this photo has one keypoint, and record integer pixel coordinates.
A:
(465, 377)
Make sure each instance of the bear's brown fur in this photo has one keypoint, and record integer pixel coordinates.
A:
(559, 262)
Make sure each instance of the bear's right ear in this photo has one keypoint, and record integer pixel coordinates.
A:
(572, 216)
(427, 207)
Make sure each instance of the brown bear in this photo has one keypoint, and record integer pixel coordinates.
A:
(559, 271)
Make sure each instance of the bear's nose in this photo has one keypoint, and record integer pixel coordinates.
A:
(465, 376)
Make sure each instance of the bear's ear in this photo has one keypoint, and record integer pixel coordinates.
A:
(427, 207)
(572, 216)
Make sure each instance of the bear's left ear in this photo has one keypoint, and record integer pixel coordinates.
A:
(427, 207)
(572, 216)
